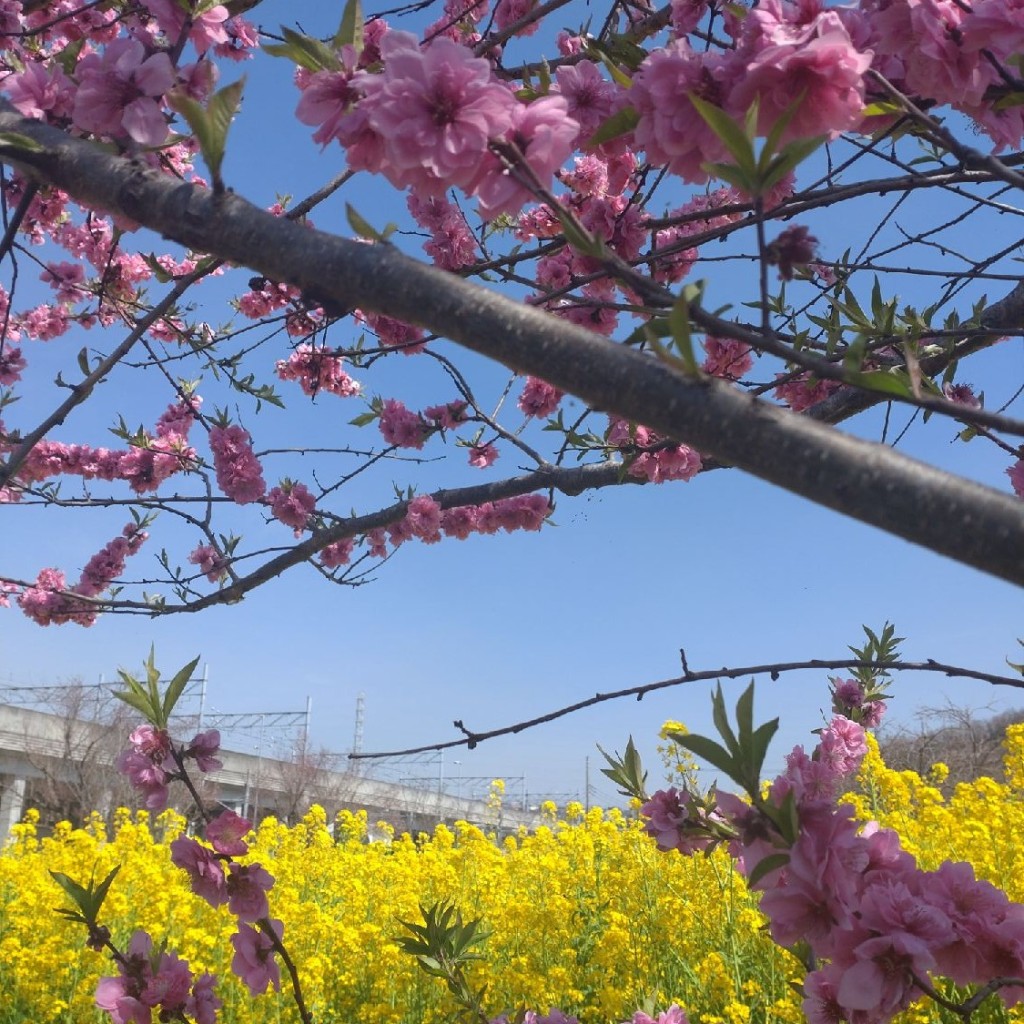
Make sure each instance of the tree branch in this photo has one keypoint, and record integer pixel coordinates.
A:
(964, 520)
(775, 669)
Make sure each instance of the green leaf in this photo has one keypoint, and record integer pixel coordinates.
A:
(732, 174)
(760, 741)
(305, 51)
(721, 720)
(176, 687)
(210, 126)
(78, 893)
(15, 140)
(100, 893)
(732, 136)
(745, 714)
(790, 156)
(361, 226)
(766, 865)
(885, 381)
(619, 123)
(708, 750)
(679, 324)
(350, 31)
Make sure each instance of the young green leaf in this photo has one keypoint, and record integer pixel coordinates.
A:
(175, 688)
(350, 31)
(210, 126)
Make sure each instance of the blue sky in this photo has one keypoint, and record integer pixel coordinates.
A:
(497, 629)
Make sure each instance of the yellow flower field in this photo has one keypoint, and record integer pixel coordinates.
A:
(586, 914)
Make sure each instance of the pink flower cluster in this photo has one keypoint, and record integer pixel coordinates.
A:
(650, 457)
(217, 878)
(426, 521)
(51, 602)
(151, 761)
(876, 925)
(432, 118)
(726, 358)
(539, 398)
(803, 391)
(292, 504)
(317, 371)
(144, 466)
(850, 701)
(210, 562)
(156, 985)
(239, 473)
(452, 245)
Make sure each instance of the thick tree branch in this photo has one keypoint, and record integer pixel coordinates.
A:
(966, 521)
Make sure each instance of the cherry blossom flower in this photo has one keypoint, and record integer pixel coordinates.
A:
(227, 832)
(239, 473)
(254, 961)
(482, 455)
(205, 870)
(203, 748)
(433, 112)
(248, 885)
(120, 93)
(292, 504)
(210, 562)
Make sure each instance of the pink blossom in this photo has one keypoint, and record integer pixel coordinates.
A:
(142, 763)
(242, 39)
(823, 68)
(254, 961)
(423, 518)
(670, 129)
(205, 870)
(248, 885)
(337, 554)
(120, 93)
(447, 416)
(795, 247)
(590, 97)
(327, 97)
(210, 562)
(673, 1015)
(292, 504)
(433, 112)
(238, 470)
(847, 696)
(1016, 475)
(11, 364)
(40, 91)
(803, 391)
(842, 745)
(376, 542)
(395, 333)
(203, 748)
(508, 12)
(205, 30)
(202, 1005)
(317, 370)
(726, 358)
(539, 398)
(482, 455)
(401, 427)
(459, 522)
(227, 833)
(687, 15)
(671, 820)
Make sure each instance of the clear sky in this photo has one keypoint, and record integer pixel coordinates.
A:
(497, 629)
